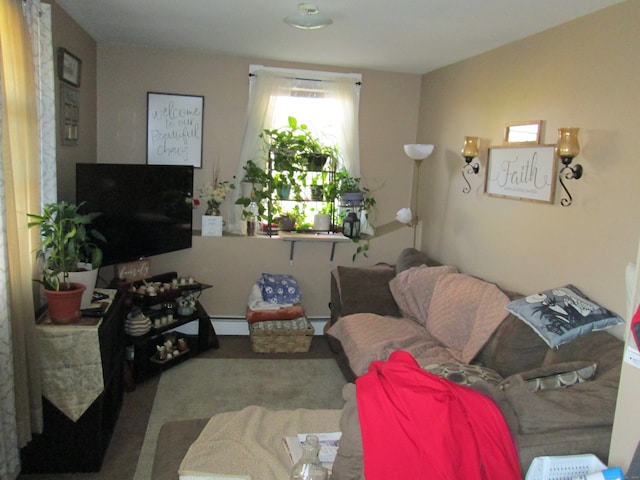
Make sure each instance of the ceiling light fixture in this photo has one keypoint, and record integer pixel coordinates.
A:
(308, 18)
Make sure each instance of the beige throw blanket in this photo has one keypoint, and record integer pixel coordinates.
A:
(464, 312)
(250, 441)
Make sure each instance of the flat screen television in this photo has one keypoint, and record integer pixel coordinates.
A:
(146, 209)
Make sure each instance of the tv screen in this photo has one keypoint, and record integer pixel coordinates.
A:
(146, 209)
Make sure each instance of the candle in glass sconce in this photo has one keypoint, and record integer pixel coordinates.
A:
(568, 146)
(470, 147)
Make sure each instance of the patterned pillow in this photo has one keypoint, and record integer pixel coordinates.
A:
(464, 374)
(280, 289)
(563, 314)
(555, 376)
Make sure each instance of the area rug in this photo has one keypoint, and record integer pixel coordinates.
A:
(202, 387)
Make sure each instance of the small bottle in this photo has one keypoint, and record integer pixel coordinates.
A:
(309, 466)
(252, 219)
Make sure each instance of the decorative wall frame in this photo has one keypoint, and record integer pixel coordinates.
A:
(523, 133)
(69, 114)
(522, 172)
(69, 67)
(174, 129)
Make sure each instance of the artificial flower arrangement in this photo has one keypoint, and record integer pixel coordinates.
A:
(214, 193)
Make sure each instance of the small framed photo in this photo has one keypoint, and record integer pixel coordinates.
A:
(69, 67)
(522, 173)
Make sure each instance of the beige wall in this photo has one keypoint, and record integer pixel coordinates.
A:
(68, 34)
(388, 119)
(585, 74)
(581, 74)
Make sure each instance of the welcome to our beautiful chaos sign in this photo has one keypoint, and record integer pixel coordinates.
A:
(523, 173)
(174, 129)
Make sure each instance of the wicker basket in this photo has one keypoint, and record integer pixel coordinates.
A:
(281, 336)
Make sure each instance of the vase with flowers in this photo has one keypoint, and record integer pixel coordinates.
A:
(215, 192)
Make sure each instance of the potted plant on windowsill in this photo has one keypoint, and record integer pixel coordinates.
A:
(294, 148)
(67, 241)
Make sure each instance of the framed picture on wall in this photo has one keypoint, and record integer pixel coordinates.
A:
(174, 129)
(522, 173)
(69, 67)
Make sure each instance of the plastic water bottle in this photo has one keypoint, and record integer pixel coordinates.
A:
(614, 473)
(309, 466)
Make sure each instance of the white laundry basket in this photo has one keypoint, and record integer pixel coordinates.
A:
(564, 467)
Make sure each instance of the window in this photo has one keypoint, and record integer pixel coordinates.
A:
(326, 102)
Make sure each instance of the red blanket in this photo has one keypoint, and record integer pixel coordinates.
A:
(284, 313)
(419, 426)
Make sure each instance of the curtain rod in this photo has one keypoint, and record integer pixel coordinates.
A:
(304, 79)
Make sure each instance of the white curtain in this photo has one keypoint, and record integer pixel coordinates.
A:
(38, 16)
(265, 86)
(26, 27)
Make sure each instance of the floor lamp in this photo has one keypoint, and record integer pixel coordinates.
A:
(409, 216)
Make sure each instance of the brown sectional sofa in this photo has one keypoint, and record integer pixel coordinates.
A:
(368, 324)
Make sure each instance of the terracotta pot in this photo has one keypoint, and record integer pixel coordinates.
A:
(64, 305)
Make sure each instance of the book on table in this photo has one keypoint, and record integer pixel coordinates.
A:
(328, 447)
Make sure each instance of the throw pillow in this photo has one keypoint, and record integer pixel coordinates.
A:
(410, 257)
(280, 289)
(555, 376)
(563, 314)
(349, 462)
(366, 290)
(412, 290)
(464, 374)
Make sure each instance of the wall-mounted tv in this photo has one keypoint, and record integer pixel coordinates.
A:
(146, 209)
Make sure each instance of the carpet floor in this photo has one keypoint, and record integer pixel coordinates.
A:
(126, 446)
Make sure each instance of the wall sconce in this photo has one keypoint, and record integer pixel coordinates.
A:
(469, 152)
(417, 152)
(567, 149)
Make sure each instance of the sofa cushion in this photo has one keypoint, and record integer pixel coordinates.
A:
(560, 315)
(559, 375)
(412, 290)
(463, 314)
(514, 347)
(367, 290)
(410, 257)
(349, 463)
(464, 374)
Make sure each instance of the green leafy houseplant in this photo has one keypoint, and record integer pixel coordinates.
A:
(294, 147)
(67, 240)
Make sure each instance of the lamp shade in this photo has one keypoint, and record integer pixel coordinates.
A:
(418, 151)
(404, 215)
(308, 18)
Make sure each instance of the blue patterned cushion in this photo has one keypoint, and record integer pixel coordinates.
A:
(280, 289)
(563, 314)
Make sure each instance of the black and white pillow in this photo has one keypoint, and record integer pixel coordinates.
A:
(464, 374)
(560, 315)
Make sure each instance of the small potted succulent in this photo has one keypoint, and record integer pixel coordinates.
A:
(68, 241)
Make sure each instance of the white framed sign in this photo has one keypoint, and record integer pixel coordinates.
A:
(522, 173)
(174, 129)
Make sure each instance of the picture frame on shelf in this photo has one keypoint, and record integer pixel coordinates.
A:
(522, 172)
(69, 67)
(523, 133)
(174, 129)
